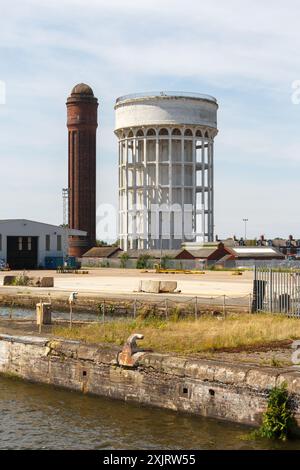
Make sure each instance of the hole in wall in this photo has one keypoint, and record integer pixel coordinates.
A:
(185, 390)
(211, 392)
(84, 373)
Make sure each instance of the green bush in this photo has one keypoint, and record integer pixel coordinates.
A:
(164, 262)
(143, 262)
(123, 259)
(21, 280)
(278, 419)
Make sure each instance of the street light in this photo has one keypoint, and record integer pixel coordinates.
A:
(245, 220)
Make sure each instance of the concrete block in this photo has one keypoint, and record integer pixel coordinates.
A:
(167, 286)
(35, 282)
(47, 282)
(155, 287)
(9, 280)
(150, 286)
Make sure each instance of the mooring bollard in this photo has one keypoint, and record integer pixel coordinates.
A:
(43, 314)
(72, 300)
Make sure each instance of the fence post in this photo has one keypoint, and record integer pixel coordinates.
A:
(10, 310)
(134, 308)
(196, 308)
(250, 303)
(224, 306)
(166, 308)
(103, 312)
(71, 315)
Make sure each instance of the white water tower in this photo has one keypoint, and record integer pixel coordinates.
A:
(166, 170)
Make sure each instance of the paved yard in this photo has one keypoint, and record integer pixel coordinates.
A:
(126, 281)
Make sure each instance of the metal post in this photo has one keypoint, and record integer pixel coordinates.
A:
(71, 315)
(196, 308)
(166, 308)
(10, 310)
(103, 312)
(224, 306)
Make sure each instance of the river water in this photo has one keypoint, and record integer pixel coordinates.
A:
(44, 417)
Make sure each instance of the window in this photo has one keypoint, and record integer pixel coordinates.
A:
(176, 132)
(163, 132)
(58, 242)
(29, 243)
(20, 242)
(47, 242)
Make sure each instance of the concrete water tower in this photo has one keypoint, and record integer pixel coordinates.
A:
(82, 126)
(166, 172)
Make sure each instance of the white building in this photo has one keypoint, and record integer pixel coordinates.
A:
(166, 183)
(25, 244)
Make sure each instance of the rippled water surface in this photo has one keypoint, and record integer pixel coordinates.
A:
(30, 314)
(43, 417)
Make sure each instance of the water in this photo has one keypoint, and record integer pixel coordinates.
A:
(30, 314)
(43, 417)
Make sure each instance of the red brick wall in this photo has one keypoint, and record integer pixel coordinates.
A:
(82, 127)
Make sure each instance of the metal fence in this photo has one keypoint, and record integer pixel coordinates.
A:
(276, 291)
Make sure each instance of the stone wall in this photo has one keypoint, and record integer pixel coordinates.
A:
(202, 387)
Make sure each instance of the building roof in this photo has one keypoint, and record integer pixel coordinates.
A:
(101, 252)
(156, 254)
(71, 231)
(224, 258)
(254, 252)
(202, 252)
(166, 94)
(82, 89)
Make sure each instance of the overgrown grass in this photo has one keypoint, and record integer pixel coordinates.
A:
(189, 336)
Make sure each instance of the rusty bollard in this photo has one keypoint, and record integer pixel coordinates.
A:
(130, 352)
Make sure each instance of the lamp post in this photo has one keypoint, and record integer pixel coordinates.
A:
(245, 220)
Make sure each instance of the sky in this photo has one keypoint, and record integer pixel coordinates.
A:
(245, 53)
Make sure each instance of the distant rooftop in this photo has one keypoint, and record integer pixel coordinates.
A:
(175, 94)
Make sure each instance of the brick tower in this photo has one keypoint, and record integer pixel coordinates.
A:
(82, 127)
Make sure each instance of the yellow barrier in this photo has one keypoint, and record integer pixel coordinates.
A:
(178, 271)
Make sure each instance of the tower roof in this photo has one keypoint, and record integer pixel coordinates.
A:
(82, 89)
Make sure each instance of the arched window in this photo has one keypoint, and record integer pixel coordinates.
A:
(130, 134)
(140, 133)
(188, 133)
(198, 134)
(176, 132)
(163, 132)
(151, 132)
(207, 134)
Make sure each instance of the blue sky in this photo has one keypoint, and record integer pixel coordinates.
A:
(245, 53)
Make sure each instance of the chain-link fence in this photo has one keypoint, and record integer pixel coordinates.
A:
(107, 310)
